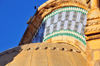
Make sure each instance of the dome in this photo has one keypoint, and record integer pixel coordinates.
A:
(43, 54)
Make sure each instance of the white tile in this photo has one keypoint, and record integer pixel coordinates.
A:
(55, 18)
(51, 28)
(71, 15)
(44, 32)
(63, 15)
(72, 25)
(58, 25)
(48, 22)
(65, 24)
(85, 20)
(78, 17)
(79, 27)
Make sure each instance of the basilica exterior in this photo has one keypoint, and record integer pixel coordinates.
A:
(61, 33)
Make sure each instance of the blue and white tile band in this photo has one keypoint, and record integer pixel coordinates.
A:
(66, 9)
(67, 21)
(70, 33)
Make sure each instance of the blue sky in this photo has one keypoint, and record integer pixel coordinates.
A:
(13, 17)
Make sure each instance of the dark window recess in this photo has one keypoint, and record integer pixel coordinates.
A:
(93, 34)
(52, 6)
(39, 36)
(99, 4)
(88, 1)
(46, 7)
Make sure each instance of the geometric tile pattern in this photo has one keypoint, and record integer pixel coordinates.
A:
(66, 9)
(67, 18)
(70, 33)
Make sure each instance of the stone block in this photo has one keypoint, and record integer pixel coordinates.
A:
(96, 55)
(94, 44)
(90, 63)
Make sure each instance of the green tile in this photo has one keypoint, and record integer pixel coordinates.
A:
(66, 34)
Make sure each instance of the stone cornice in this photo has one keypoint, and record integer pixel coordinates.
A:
(92, 29)
(93, 37)
(48, 4)
(52, 5)
(93, 22)
(93, 14)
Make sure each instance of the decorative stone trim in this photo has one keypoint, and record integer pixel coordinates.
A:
(92, 29)
(51, 2)
(71, 33)
(92, 23)
(93, 18)
(19, 49)
(55, 48)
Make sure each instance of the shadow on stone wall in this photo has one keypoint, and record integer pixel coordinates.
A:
(8, 55)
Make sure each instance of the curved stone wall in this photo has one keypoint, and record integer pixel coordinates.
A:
(43, 54)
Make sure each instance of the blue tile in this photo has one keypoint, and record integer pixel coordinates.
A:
(39, 36)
